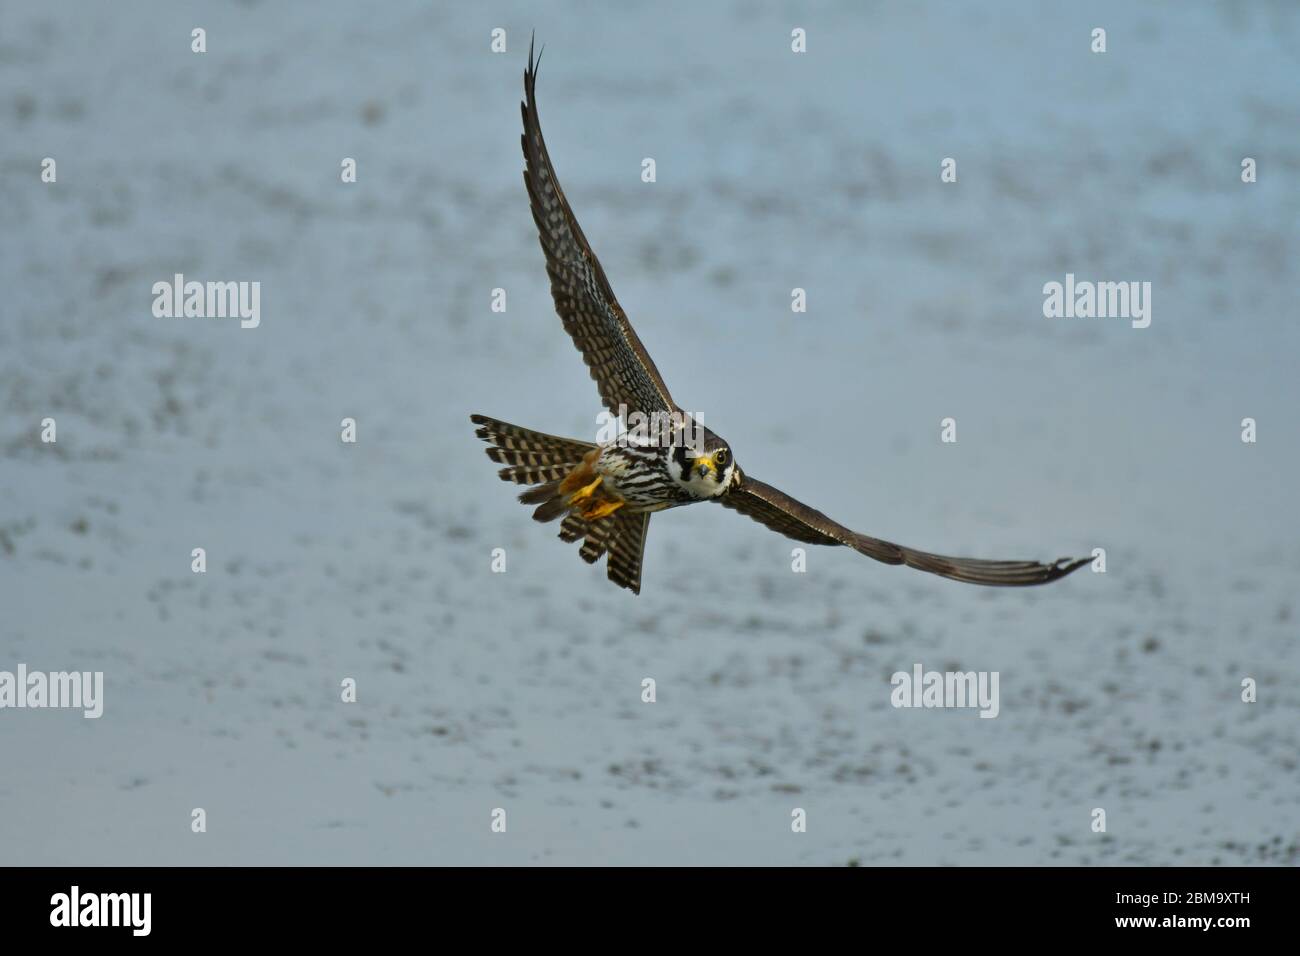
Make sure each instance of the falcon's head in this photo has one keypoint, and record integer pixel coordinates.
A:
(707, 470)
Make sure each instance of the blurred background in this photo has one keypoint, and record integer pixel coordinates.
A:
(522, 690)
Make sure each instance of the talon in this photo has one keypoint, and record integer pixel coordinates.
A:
(601, 510)
(585, 492)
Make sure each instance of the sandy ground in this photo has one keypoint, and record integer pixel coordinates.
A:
(522, 690)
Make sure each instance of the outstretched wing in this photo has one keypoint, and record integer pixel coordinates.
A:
(619, 363)
(794, 519)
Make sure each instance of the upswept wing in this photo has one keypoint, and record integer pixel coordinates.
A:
(619, 363)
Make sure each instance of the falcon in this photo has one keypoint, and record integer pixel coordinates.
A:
(603, 493)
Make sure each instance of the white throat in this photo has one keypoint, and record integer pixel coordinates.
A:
(705, 486)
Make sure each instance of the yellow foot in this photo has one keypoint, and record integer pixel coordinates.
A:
(601, 510)
(582, 494)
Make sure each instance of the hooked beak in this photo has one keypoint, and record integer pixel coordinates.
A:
(705, 465)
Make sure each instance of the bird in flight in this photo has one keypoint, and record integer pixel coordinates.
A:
(605, 492)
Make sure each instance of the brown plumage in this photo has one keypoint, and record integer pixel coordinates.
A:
(623, 370)
(794, 519)
(626, 545)
(570, 483)
(562, 466)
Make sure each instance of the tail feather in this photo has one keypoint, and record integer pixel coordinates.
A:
(542, 493)
(544, 461)
(512, 438)
(594, 535)
(626, 546)
(507, 456)
(596, 542)
(528, 475)
(551, 509)
(573, 527)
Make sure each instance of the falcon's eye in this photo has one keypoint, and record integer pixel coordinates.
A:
(720, 457)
